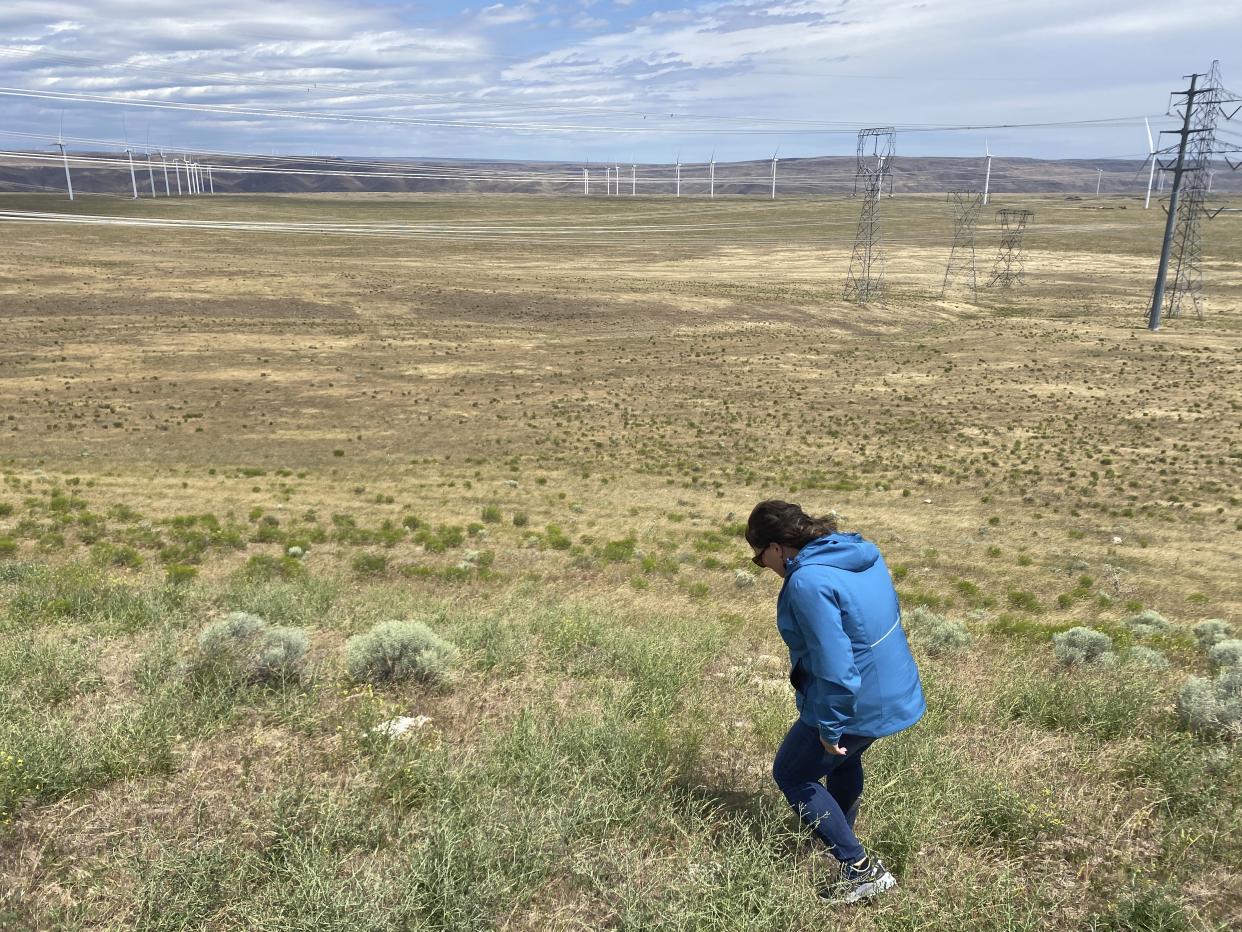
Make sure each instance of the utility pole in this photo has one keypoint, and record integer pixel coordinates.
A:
(1170, 222)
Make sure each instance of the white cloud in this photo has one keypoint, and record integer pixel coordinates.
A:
(498, 14)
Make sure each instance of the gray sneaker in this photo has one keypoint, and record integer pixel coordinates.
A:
(859, 883)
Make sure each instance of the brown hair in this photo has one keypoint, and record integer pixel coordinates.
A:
(776, 522)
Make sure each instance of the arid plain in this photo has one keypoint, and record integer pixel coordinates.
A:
(535, 424)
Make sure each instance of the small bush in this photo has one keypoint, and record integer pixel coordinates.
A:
(8, 547)
(1083, 645)
(743, 579)
(1227, 653)
(491, 514)
(179, 573)
(263, 567)
(1148, 623)
(937, 634)
(369, 564)
(1213, 707)
(245, 647)
(1210, 632)
(399, 650)
(1146, 657)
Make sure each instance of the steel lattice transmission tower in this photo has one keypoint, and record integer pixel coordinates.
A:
(1188, 240)
(865, 281)
(966, 207)
(1192, 174)
(1010, 261)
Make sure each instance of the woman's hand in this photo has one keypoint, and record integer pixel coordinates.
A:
(833, 748)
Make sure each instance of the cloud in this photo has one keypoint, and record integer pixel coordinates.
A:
(498, 14)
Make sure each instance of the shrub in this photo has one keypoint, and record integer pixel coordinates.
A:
(245, 647)
(369, 564)
(1083, 645)
(1146, 657)
(399, 650)
(180, 573)
(1210, 632)
(743, 579)
(1227, 653)
(491, 514)
(619, 551)
(263, 567)
(8, 547)
(1147, 623)
(1213, 707)
(937, 634)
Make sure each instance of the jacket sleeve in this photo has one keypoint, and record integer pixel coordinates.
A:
(831, 658)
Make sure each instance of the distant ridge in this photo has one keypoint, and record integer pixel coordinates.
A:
(824, 176)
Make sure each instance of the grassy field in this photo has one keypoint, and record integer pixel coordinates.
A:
(536, 425)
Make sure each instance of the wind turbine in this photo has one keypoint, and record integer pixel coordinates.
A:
(616, 174)
(133, 180)
(711, 173)
(60, 141)
(150, 168)
(211, 185)
(1099, 178)
(164, 162)
(679, 173)
(774, 160)
(987, 176)
(177, 172)
(586, 182)
(1151, 154)
(633, 180)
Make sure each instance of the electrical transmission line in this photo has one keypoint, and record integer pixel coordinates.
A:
(1010, 261)
(865, 280)
(966, 207)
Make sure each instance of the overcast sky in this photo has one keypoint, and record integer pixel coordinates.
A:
(626, 80)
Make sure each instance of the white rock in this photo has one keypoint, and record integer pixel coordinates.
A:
(927, 501)
(1116, 540)
(400, 725)
(295, 551)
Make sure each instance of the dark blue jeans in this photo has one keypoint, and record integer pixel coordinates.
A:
(829, 807)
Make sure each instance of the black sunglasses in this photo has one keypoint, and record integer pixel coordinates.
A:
(757, 559)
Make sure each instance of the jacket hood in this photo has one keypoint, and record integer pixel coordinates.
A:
(844, 551)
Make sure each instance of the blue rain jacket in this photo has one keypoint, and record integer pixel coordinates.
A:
(849, 659)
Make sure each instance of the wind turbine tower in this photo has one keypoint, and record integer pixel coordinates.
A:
(1151, 154)
(711, 173)
(133, 180)
(60, 141)
(679, 174)
(774, 160)
(1099, 179)
(164, 162)
(633, 180)
(211, 185)
(987, 175)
